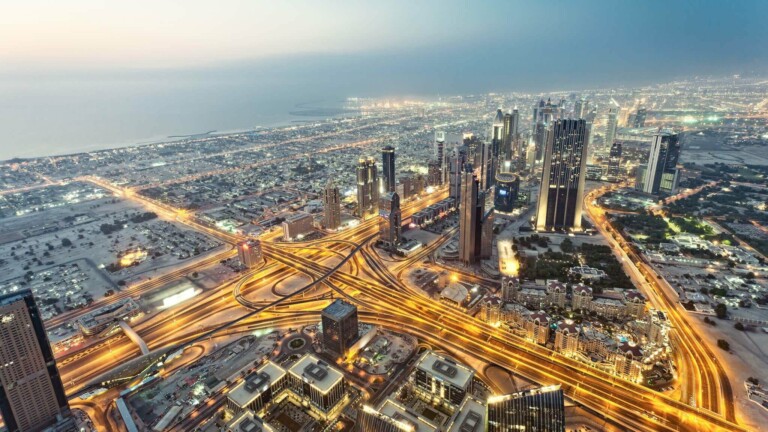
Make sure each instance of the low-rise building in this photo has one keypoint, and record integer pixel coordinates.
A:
(567, 337)
(258, 389)
(318, 384)
(441, 380)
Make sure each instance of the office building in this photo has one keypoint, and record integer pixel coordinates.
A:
(441, 380)
(249, 253)
(562, 182)
(610, 126)
(639, 119)
(367, 188)
(434, 173)
(455, 163)
(340, 329)
(440, 147)
(32, 396)
(390, 220)
(578, 108)
(614, 162)
(297, 226)
(413, 421)
(258, 390)
(369, 419)
(506, 192)
(388, 168)
(318, 384)
(511, 136)
(497, 133)
(332, 206)
(470, 219)
(661, 174)
(487, 163)
(541, 409)
(540, 132)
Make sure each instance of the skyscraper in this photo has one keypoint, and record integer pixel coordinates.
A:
(390, 220)
(661, 173)
(367, 188)
(434, 173)
(31, 393)
(510, 135)
(332, 206)
(506, 192)
(639, 122)
(339, 320)
(470, 218)
(455, 163)
(388, 159)
(440, 146)
(610, 126)
(614, 162)
(487, 163)
(249, 253)
(486, 230)
(578, 109)
(541, 409)
(497, 133)
(562, 181)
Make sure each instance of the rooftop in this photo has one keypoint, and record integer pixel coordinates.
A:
(446, 369)
(396, 411)
(339, 309)
(247, 391)
(470, 416)
(316, 372)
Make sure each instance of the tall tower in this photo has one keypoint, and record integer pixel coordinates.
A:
(614, 162)
(332, 206)
(340, 326)
(367, 188)
(578, 109)
(497, 133)
(541, 409)
(31, 393)
(510, 135)
(388, 159)
(487, 163)
(610, 126)
(562, 181)
(390, 220)
(455, 165)
(249, 253)
(470, 218)
(440, 147)
(639, 122)
(662, 162)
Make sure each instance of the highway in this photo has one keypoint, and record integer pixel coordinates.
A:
(384, 300)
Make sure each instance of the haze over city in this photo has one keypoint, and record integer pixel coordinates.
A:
(383, 216)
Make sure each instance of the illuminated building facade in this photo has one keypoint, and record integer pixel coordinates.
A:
(32, 396)
(318, 384)
(331, 206)
(258, 390)
(614, 162)
(640, 116)
(297, 226)
(661, 174)
(610, 126)
(388, 168)
(441, 380)
(470, 219)
(511, 136)
(340, 329)
(506, 192)
(541, 409)
(249, 253)
(562, 182)
(367, 188)
(434, 173)
(390, 220)
(455, 163)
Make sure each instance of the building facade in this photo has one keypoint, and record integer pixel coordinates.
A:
(340, 327)
(541, 409)
(388, 168)
(470, 221)
(332, 206)
(32, 396)
(506, 192)
(661, 172)
(390, 220)
(367, 188)
(249, 253)
(562, 183)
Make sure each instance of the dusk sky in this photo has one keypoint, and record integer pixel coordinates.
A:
(83, 74)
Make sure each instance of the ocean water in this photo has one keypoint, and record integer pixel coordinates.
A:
(42, 116)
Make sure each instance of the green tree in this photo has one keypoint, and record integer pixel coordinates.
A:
(721, 310)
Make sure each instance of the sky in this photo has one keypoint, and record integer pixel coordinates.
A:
(529, 41)
(77, 75)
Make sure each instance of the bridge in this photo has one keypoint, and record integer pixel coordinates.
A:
(134, 337)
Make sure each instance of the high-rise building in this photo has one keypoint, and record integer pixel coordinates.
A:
(249, 253)
(455, 163)
(506, 192)
(486, 232)
(614, 162)
(661, 173)
(390, 220)
(470, 219)
(639, 120)
(297, 226)
(332, 206)
(440, 146)
(32, 396)
(434, 173)
(578, 108)
(541, 409)
(487, 163)
(339, 320)
(388, 168)
(562, 182)
(610, 126)
(367, 188)
(510, 136)
(497, 133)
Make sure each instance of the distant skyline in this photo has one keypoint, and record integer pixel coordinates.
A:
(85, 74)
